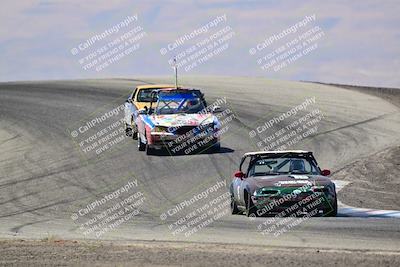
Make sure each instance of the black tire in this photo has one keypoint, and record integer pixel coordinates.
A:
(141, 146)
(134, 135)
(332, 212)
(128, 130)
(234, 208)
(251, 210)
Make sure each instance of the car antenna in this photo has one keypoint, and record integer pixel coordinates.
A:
(176, 73)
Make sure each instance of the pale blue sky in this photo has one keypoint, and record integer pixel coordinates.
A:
(361, 44)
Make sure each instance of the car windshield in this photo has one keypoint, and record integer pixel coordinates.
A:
(173, 102)
(284, 165)
(144, 95)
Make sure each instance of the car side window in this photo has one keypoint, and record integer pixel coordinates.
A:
(308, 166)
(133, 94)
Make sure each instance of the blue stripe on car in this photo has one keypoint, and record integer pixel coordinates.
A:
(148, 121)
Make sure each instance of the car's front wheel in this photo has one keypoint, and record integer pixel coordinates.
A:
(251, 210)
(234, 207)
(128, 130)
(134, 131)
(141, 146)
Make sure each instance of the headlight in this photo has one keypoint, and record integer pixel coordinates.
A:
(160, 129)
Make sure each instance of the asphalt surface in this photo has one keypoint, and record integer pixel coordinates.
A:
(46, 178)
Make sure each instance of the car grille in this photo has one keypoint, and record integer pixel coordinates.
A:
(269, 191)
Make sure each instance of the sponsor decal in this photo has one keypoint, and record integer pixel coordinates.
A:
(292, 183)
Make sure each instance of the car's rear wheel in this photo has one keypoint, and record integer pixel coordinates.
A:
(234, 207)
(134, 135)
(251, 210)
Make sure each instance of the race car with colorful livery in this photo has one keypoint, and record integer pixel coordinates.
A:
(177, 119)
(137, 100)
(283, 183)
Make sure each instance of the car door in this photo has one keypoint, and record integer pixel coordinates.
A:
(141, 125)
(240, 184)
(130, 108)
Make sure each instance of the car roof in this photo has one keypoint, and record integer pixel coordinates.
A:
(155, 86)
(177, 89)
(276, 152)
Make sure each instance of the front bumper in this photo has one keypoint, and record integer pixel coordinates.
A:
(173, 141)
(289, 201)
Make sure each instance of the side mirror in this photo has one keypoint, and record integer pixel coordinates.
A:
(326, 172)
(239, 174)
(216, 109)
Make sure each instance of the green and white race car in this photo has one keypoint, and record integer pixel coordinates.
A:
(285, 183)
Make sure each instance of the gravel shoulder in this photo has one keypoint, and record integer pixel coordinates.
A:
(375, 179)
(59, 252)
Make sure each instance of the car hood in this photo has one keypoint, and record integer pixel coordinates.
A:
(141, 105)
(289, 180)
(176, 120)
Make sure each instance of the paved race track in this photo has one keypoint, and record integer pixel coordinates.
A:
(45, 178)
